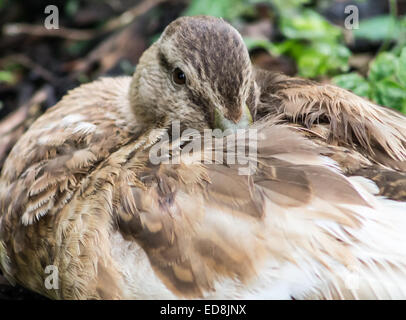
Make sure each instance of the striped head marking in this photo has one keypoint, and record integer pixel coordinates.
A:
(201, 72)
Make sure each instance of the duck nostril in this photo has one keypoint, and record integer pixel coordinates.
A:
(241, 115)
(234, 117)
(240, 120)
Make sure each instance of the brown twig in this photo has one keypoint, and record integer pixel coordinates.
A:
(13, 29)
(130, 15)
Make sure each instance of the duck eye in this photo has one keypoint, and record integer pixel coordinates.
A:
(179, 76)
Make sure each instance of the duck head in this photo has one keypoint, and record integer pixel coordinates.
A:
(199, 73)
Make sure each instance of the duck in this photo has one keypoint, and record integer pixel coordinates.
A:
(320, 214)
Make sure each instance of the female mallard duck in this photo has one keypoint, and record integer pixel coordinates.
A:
(321, 216)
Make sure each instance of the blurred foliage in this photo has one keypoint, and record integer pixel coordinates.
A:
(381, 28)
(227, 9)
(71, 7)
(386, 81)
(318, 46)
(9, 73)
(311, 40)
(297, 29)
(2, 3)
(314, 43)
(6, 76)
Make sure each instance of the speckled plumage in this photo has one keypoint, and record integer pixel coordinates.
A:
(79, 191)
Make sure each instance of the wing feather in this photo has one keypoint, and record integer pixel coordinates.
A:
(351, 120)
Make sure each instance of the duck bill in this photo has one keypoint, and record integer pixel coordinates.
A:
(223, 123)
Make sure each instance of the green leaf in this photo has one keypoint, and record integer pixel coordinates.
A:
(401, 68)
(308, 24)
(292, 47)
(384, 66)
(310, 64)
(354, 82)
(337, 56)
(253, 43)
(317, 58)
(391, 94)
(7, 77)
(379, 28)
(227, 9)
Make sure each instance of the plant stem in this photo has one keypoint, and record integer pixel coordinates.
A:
(393, 10)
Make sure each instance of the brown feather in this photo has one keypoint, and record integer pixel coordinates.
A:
(79, 191)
